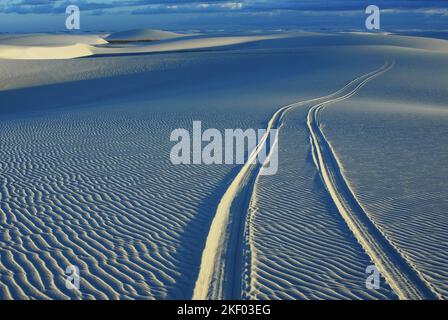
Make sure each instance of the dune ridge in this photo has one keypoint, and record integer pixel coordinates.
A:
(137, 35)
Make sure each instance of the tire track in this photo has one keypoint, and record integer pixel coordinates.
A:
(221, 263)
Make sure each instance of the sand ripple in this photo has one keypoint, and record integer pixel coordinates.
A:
(97, 190)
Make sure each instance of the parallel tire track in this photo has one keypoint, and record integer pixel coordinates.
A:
(220, 274)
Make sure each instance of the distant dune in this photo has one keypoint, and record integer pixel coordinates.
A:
(69, 47)
(140, 35)
(50, 40)
(47, 46)
(42, 46)
(44, 53)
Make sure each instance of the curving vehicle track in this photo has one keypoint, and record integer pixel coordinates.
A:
(221, 272)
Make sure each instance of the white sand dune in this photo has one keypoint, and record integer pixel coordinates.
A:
(142, 35)
(79, 50)
(44, 52)
(108, 201)
(86, 177)
(47, 46)
(189, 44)
(69, 47)
(404, 279)
(50, 39)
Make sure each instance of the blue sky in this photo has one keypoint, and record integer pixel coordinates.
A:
(110, 15)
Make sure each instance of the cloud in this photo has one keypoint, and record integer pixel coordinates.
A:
(199, 7)
(115, 14)
(204, 6)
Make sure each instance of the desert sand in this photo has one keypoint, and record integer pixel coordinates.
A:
(86, 177)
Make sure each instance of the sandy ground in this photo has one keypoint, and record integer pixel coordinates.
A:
(86, 177)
